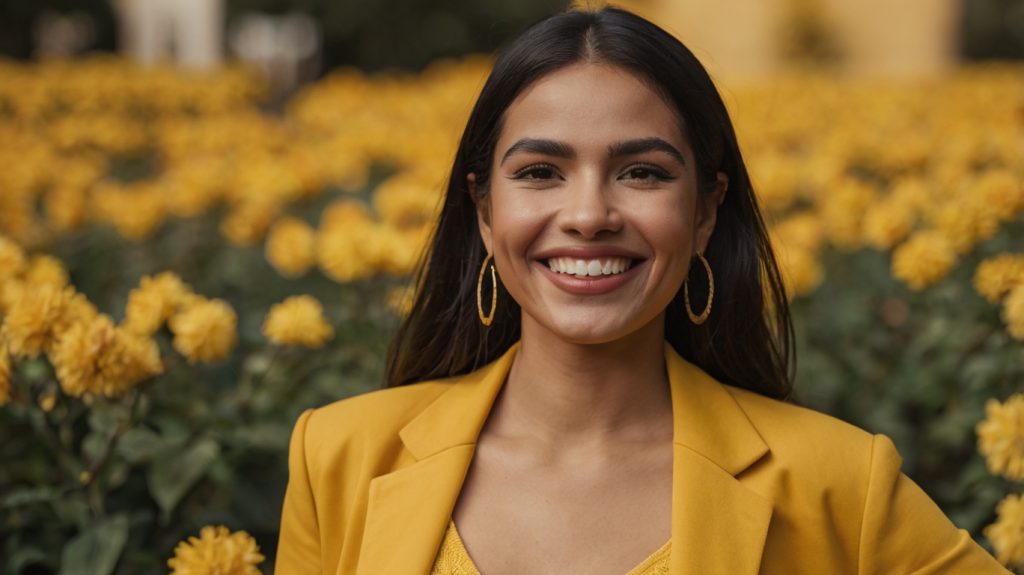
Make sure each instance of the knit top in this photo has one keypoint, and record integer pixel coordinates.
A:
(453, 559)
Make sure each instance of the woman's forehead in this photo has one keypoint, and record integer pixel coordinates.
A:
(590, 103)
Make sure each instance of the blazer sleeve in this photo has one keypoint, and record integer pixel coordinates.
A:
(904, 531)
(298, 547)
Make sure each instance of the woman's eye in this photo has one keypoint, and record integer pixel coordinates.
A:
(647, 173)
(540, 172)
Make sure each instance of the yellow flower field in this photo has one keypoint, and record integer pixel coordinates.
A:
(158, 226)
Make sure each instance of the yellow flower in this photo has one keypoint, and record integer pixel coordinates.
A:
(1002, 190)
(66, 207)
(97, 358)
(887, 223)
(247, 222)
(347, 253)
(47, 400)
(291, 247)
(217, 551)
(298, 320)
(5, 374)
(1013, 312)
(46, 270)
(844, 211)
(966, 222)
(802, 230)
(408, 200)
(1007, 533)
(923, 259)
(204, 330)
(1001, 437)
(135, 212)
(801, 271)
(34, 319)
(344, 213)
(997, 276)
(12, 259)
(156, 299)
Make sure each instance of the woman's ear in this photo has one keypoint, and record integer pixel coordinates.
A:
(483, 210)
(707, 211)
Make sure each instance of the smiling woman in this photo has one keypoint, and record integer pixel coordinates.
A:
(595, 376)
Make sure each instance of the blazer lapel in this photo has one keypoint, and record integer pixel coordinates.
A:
(718, 524)
(408, 510)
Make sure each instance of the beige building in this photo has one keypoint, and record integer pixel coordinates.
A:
(751, 38)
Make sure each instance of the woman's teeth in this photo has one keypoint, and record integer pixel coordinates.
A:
(585, 268)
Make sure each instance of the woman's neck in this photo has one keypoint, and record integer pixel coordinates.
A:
(562, 396)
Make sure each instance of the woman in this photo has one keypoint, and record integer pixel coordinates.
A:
(595, 373)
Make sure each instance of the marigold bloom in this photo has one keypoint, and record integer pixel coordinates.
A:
(97, 358)
(66, 207)
(344, 213)
(46, 269)
(248, 222)
(997, 276)
(204, 330)
(291, 247)
(408, 200)
(923, 259)
(135, 212)
(34, 319)
(1001, 437)
(966, 222)
(1002, 190)
(802, 230)
(347, 253)
(1007, 533)
(801, 271)
(844, 211)
(298, 320)
(156, 299)
(887, 223)
(217, 551)
(1013, 312)
(12, 259)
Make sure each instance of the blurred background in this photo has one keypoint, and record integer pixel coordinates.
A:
(210, 211)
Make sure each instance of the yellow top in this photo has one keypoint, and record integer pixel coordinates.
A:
(453, 559)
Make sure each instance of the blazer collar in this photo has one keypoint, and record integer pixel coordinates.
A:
(718, 524)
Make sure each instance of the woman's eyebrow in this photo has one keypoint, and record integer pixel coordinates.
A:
(540, 146)
(643, 145)
(616, 150)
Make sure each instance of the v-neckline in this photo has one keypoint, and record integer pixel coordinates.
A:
(636, 570)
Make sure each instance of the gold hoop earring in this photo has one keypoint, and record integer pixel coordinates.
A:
(486, 319)
(699, 319)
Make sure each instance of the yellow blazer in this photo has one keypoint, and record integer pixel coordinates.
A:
(759, 486)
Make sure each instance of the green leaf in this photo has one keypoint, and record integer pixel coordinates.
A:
(96, 550)
(139, 444)
(104, 418)
(171, 477)
(27, 495)
(24, 557)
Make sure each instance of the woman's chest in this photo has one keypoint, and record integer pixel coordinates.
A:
(516, 515)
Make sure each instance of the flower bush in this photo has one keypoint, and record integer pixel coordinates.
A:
(156, 227)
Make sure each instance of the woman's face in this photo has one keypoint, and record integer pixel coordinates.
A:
(593, 212)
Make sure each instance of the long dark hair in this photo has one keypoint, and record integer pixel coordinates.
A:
(748, 339)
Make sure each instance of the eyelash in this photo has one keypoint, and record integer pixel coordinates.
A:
(657, 173)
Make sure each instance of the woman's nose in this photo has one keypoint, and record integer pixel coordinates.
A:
(589, 209)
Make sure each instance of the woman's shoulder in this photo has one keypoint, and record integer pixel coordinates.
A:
(380, 413)
(800, 436)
